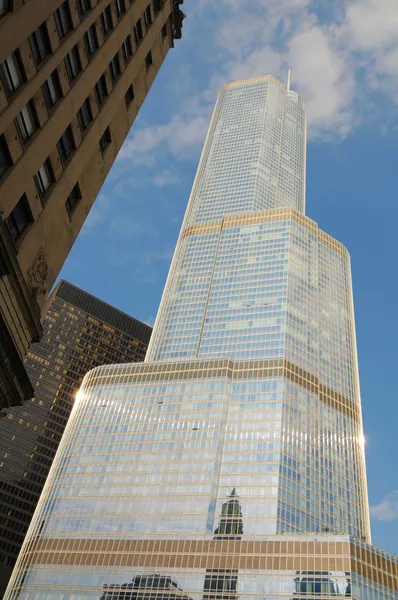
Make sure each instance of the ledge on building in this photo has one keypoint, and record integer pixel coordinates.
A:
(177, 17)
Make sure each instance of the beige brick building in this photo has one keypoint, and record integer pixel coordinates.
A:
(74, 75)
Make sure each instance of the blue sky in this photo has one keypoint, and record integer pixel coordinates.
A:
(344, 61)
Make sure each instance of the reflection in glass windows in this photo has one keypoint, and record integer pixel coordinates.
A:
(12, 73)
(40, 44)
(146, 587)
(52, 90)
(230, 465)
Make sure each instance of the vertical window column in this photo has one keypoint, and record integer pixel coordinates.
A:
(26, 122)
(5, 158)
(40, 44)
(52, 90)
(63, 20)
(20, 219)
(106, 21)
(12, 73)
(66, 145)
(44, 178)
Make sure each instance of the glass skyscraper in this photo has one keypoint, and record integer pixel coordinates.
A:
(230, 464)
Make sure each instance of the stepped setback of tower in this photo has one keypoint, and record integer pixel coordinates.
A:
(231, 463)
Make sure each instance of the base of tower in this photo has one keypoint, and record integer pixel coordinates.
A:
(283, 566)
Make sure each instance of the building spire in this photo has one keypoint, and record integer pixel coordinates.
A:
(288, 80)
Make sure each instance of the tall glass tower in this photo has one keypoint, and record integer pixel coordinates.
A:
(231, 463)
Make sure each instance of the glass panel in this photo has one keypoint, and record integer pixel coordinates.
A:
(5, 160)
(53, 88)
(91, 40)
(11, 73)
(45, 177)
(63, 19)
(26, 122)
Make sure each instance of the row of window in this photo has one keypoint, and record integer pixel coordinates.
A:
(62, 14)
(12, 71)
(64, 22)
(21, 216)
(12, 74)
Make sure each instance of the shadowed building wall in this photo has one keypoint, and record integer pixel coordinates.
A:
(73, 76)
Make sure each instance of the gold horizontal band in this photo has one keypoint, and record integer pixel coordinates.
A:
(263, 217)
(234, 370)
(297, 555)
(253, 81)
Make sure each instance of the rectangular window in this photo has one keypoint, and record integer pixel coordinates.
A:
(157, 6)
(164, 31)
(20, 219)
(148, 17)
(66, 144)
(138, 35)
(84, 115)
(5, 158)
(26, 122)
(63, 20)
(114, 66)
(52, 90)
(148, 61)
(72, 63)
(106, 21)
(73, 199)
(12, 73)
(40, 44)
(127, 48)
(105, 140)
(44, 178)
(4, 6)
(120, 7)
(129, 95)
(84, 6)
(101, 90)
(91, 41)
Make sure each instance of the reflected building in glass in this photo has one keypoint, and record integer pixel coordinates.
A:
(230, 462)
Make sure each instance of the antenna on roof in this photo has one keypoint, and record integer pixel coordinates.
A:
(288, 80)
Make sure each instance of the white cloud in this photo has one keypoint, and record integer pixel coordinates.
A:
(324, 77)
(158, 256)
(166, 177)
(130, 227)
(372, 24)
(387, 510)
(332, 49)
(369, 32)
(388, 62)
(181, 134)
(321, 70)
(262, 61)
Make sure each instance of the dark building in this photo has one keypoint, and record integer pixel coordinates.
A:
(320, 585)
(222, 584)
(230, 526)
(73, 76)
(146, 587)
(80, 332)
